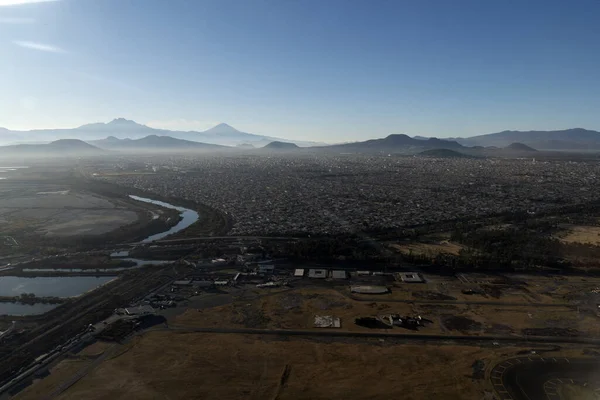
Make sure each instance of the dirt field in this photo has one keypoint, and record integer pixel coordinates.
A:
(582, 234)
(54, 211)
(40, 388)
(206, 366)
(481, 287)
(428, 249)
(290, 310)
(296, 309)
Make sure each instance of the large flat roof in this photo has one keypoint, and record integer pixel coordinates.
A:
(369, 289)
(339, 274)
(317, 273)
(411, 277)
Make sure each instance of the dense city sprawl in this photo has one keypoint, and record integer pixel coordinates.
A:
(320, 194)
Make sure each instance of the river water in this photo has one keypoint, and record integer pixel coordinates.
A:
(188, 217)
(25, 309)
(68, 286)
(55, 286)
(138, 264)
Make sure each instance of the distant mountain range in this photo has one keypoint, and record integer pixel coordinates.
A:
(520, 147)
(61, 147)
(154, 143)
(394, 143)
(443, 153)
(126, 135)
(122, 128)
(567, 139)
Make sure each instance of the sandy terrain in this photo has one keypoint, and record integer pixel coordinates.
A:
(582, 234)
(428, 249)
(206, 366)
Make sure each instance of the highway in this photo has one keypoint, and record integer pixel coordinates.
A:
(9, 330)
(49, 358)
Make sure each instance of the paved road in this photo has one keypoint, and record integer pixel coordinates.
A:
(463, 302)
(533, 378)
(397, 335)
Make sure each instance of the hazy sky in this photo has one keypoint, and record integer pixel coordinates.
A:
(322, 70)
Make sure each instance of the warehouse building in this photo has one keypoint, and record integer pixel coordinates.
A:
(339, 274)
(266, 269)
(317, 273)
(411, 277)
(139, 310)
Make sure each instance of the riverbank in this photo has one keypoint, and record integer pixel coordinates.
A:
(211, 222)
(30, 299)
(187, 217)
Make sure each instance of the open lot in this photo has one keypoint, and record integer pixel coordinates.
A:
(65, 368)
(581, 234)
(287, 310)
(295, 309)
(478, 287)
(56, 211)
(195, 365)
(428, 249)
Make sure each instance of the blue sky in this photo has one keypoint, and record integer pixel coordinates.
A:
(323, 70)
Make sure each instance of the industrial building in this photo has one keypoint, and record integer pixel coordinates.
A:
(411, 277)
(183, 283)
(266, 269)
(339, 274)
(139, 310)
(203, 284)
(317, 273)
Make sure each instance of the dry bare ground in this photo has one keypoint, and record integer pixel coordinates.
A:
(172, 365)
(428, 249)
(296, 310)
(582, 234)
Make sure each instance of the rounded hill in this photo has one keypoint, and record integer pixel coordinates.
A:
(519, 147)
(276, 145)
(442, 153)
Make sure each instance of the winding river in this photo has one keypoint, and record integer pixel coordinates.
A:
(188, 217)
(67, 286)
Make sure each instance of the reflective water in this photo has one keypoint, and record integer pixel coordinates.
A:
(188, 217)
(56, 286)
(138, 264)
(25, 309)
